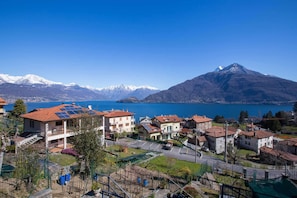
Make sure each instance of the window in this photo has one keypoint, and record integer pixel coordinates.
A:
(59, 123)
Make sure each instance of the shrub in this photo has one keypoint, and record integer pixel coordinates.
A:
(70, 151)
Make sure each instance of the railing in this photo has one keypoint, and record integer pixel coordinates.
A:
(25, 141)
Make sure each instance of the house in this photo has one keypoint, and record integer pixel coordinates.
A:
(55, 125)
(199, 123)
(149, 131)
(254, 140)
(289, 145)
(201, 141)
(170, 125)
(277, 157)
(145, 120)
(216, 138)
(117, 121)
(2, 110)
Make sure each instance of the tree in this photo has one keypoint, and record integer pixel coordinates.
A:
(19, 108)
(87, 142)
(232, 152)
(27, 168)
(242, 116)
(219, 119)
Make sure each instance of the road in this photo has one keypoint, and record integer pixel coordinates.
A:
(189, 155)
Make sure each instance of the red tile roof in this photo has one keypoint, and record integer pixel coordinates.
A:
(201, 119)
(50, 114)
(202, 139)
(257, 134)
(290, 142)
(117, 113)
(278, 153)
(217, 131)
(168, 119)
(2, 102)
(151, 128)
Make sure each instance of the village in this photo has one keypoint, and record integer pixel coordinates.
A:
(51, 130)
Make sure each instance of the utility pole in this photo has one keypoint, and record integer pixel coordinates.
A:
(195, 147)
(226, 135)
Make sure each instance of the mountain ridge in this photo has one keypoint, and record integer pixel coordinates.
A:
(231, 84)
(33, 88)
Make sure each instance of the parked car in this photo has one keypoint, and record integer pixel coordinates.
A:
(168, 146)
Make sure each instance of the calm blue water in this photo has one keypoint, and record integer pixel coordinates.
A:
(182, 110)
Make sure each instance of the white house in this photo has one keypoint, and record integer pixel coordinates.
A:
(254, 140)
(55, 125)
(216, 138)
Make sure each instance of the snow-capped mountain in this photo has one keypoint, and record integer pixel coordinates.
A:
(33, 88)
(28, 79)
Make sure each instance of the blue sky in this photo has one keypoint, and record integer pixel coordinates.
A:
(146, 42)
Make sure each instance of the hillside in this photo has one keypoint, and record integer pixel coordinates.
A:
(232, 84)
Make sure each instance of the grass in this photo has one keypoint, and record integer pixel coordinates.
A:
(243, 152)
(172, 167)
(234, 180)
(124, 152)
(62, 159)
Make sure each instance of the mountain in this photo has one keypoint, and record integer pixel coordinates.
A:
(33, 88)
(231, 84)
(123, 91)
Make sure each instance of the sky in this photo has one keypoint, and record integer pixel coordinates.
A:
(158, 43)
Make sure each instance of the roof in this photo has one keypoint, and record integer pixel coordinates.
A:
(2, 102)
(202, 138)
(289, 142)
(257, 134)
(217, 131)
(278, 153)
(60, 112)
(151, 128)
(201, 119)
(117, 113)
(168, 119)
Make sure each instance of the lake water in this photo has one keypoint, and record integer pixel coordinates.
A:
(180, 109)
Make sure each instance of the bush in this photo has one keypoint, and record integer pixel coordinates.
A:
(70, 151)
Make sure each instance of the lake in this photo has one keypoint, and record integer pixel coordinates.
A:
(182, 110)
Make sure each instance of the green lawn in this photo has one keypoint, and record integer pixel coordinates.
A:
(172, 167)
(62, 159)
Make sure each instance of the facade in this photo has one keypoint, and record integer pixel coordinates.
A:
(216, 138)
(117, 121)
(170, 126)
(254, 140)
(149, 131)
(56, 124)
(200, 123)
(2, 110)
